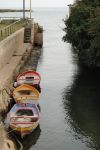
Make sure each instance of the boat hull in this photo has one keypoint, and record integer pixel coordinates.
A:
(23, 119)
(29, 77)
(24, 93)
(23, 131)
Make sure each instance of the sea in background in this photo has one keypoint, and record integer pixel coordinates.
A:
(70, 98)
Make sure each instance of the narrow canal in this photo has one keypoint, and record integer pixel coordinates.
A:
(70, 107)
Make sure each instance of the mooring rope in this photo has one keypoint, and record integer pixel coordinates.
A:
(21, 146)
(6, 134)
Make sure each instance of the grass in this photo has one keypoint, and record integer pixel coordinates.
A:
(7, 27)
(2, 25)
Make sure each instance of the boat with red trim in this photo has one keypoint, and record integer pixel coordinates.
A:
(23, 118)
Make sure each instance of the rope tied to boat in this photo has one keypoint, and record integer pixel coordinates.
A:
(6, 135)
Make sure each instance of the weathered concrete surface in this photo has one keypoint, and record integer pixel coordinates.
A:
(10, 45)
(32, 62)
(9, 71)
(13, 55)
(32, 34)
(38, 39)
(38, 36)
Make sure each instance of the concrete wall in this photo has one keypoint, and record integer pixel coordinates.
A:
(9, 72)
(32, 34)
(38, 36)
(10, 45)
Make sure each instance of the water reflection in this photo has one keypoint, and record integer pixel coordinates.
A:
(31, 139)
(82, 107)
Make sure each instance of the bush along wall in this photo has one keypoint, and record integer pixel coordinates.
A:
(82, 29)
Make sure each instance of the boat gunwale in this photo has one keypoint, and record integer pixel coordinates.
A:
(26, 72)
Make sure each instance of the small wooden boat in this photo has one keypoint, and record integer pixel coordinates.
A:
(26, 94)
(23, 118)
(29, 77)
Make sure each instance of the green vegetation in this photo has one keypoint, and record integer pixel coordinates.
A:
(83, 31)
(7, 27)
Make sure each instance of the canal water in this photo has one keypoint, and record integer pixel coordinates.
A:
(70, 98)
(70, 114)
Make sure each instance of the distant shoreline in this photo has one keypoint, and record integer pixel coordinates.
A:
(13, 10)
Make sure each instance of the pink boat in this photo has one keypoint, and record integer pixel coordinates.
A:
(29, 77)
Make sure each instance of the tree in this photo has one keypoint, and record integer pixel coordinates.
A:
(83, 31)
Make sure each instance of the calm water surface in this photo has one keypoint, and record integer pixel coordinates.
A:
(70, 118)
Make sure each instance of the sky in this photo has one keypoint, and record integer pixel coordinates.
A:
(35, 3)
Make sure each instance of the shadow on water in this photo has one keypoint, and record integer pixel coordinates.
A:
(82, 108)
(28, 141)
(31, 139)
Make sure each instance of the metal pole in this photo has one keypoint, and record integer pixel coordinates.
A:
(23, 9)
(30, 9)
